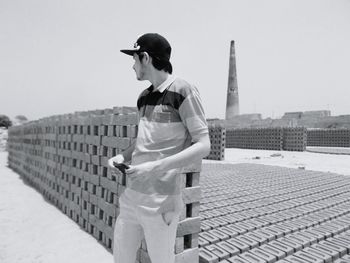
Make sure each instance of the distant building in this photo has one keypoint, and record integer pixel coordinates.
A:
(243, 120)
(252, 116)
(292, 115)
(212, 119)
(317, 113)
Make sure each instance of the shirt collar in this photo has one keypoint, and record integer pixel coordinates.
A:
(166, 83)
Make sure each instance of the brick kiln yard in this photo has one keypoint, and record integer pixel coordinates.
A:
(258, 213)
(250, 212)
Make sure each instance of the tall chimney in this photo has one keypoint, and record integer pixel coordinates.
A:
(232, 102)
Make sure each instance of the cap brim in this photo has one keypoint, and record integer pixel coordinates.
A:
(129, 52)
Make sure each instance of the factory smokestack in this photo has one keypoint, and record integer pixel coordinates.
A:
(232, 102)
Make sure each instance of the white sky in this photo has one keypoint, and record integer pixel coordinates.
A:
(61, 56)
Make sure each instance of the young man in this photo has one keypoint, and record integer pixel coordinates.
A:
(172, 133)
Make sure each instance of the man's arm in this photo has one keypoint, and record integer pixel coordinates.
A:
(190, 155)
(196, 152)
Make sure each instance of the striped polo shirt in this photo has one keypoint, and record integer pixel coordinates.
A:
(171, 118)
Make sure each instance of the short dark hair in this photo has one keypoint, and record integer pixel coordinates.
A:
(158, 63)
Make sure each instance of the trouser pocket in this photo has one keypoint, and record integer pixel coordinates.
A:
(168, 217)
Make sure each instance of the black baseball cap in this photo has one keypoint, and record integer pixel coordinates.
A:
(152, 43)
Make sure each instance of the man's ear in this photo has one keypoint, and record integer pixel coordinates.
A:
(146, 58)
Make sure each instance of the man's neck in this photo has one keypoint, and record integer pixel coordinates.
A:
(157, 78)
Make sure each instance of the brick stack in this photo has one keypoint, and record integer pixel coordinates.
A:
(294, 139)
(289, 139)
(328, 137)
(255, 138)
(186, 245)
(217, 134)
(65, 158)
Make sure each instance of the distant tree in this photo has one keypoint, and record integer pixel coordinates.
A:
(5, 121)
(21, 118)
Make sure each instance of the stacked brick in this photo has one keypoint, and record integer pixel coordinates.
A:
(289, 139)
(328, 137)
(186, 244)
(255, 138)
(294, 139)
(256, 213)
(65, 158)
(217, 134)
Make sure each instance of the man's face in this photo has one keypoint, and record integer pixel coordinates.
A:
(139, 68)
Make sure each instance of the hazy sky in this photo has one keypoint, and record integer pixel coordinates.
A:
(61, 56)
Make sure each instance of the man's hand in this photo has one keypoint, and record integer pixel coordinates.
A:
(118, 159)
(141, 169)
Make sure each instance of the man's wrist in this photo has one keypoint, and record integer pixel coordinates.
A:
(158, 165)
(120, 158)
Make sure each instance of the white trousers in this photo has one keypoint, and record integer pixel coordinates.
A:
(132, 224)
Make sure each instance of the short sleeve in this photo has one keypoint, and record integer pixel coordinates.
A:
(192, 114)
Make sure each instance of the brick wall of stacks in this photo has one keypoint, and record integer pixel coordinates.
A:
(279, 138)
(65, 158)
(328, 137)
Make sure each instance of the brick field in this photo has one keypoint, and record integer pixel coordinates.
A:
(247, 212)
(258, 213)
